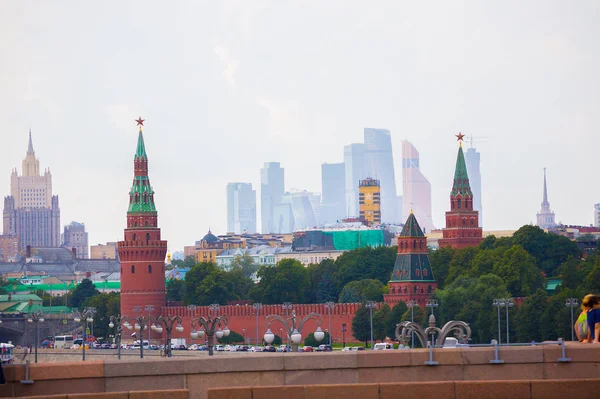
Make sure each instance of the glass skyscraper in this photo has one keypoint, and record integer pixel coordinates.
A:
(379, 164)
(241, 208)
(354, 165)
(472, 158)
(271, 193)
(333, 191)
(416, 189)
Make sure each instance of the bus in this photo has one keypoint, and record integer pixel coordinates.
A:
(63, 341)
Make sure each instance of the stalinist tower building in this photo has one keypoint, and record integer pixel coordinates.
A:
(31, 212)
(545, 217)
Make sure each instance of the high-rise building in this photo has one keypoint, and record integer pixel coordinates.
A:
(142, 252)
(354, 164)
(416, 189)
(545, 217)
(9, 247)
(379, 164)
(597, 215)
(272, 189)
(461, 229)
(104, 251)
(31, 212)
(472, 157)
(241, 208)
(75, 237)
(412, 277)
(369, 200)
(333, 190)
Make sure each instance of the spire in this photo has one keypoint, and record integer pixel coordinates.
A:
(461, 178)
(411, 227)
(141, 195)
(545, 201)
(141, 148)
(30, 148)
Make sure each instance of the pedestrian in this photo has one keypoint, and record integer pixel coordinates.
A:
(581, 325)
(592, 303)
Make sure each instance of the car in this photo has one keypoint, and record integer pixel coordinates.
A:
(308, 349)
(283, 348)
(219, 348)
(357, 348)
(324, 348)
(255, 349)
(346, 349)
(105, 345)
(154, 347)
(269, 348)
(96, 345)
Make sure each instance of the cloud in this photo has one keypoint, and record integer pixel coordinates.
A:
(284, 117)
(229, 63)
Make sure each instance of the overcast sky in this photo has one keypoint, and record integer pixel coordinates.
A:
(226, 85)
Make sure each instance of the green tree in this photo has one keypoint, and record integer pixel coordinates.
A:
(205, 283)
(175, 290)
(530, 323)
(591, 282)
(394, 317)
(106, 305)
(440, 263)
(366, 263)
(323, 287)
(461, 262)
(233, 338)
(288, 281)
(246, 264)
(568, 273)
(361, 325)
(188, 262)
(418, 315)
(379, 318)
(83, 291)
(361, 291)
(517, 269)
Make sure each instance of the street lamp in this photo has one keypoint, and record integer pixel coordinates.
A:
(371, 305)
(330, 306)
(411, 304)
(149, 309)
(287, 306)
(141, 323)
(432, 303)
(257, 306)
(116, 321)
(208, 326)
(244, 336)
(344, 335)
(508, 302)
(168, 322)
(36, 317)
(84, 317)
(293, 330)
(214, 308)
(572, 303)
(498, 302)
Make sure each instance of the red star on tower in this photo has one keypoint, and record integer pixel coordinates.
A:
(460, 136)
(140, 121)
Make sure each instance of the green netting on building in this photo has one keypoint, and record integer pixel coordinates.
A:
(349, 240)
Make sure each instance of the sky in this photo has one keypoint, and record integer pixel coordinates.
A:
(225, 86)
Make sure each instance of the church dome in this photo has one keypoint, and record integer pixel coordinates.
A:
(210, 238)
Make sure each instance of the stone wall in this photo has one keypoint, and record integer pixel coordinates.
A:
(198, 374)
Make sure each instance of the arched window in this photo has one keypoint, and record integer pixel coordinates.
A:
(132, 269)
(415, 289)
(464, 222)
(420, 244)
(146, 224)
(134, 236)
(414, 243)
(149, 268)
(136, 225)
(459, 202)
(429, 289)
(147, 237)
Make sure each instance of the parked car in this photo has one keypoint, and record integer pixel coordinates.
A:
(324, 348)
(282, 348)
(105, 345)
(269, 348)
(219, 348)
(382, 346)
(255, 349)
(308, 349)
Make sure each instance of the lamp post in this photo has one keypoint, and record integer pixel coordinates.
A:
(244, 336)
(330, 306)
(371, 305)
(84, 317)
(116, 321)
(168, 322)
(149, 309)
(411, 304)
(499, 302)
(508, 302)
(257, 306)
(36, 317)
(208, 326)
(572, 303)
(344, 335)
(432, 304)
(287, 306)
(141, 323)
(294, 330)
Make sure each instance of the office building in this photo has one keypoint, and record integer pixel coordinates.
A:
(75, 239)
(31, 212)
(369, 200)
(379, 164)
(545, 217)
(333, 191)
(104, 251)
(241, 208)
(354, 164)
(597, 215)
(416, 189)
(271, 191)
(9, 248)
(472, 158)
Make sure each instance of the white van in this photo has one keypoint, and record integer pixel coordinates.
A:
(383, 346)
(63, 341)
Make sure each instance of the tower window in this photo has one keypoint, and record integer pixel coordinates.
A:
(459, 203)
(147, 237)
(132, 269)
(134, 236)
(150, 269)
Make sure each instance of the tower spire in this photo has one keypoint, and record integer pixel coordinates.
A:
(545, 201)
(30, 147)
(461, 177)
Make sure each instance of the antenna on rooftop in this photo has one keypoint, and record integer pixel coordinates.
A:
(477, 139)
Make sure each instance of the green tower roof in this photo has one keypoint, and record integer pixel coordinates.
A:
(412, 228)
(141, 148)
(461, 178)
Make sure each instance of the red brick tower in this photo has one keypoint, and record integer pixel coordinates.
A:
(412, 277)
(142, 252)
(462, 221)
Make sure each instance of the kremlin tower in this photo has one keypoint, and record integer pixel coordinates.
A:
(462, 221)
(142, 252)
(412, 277)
